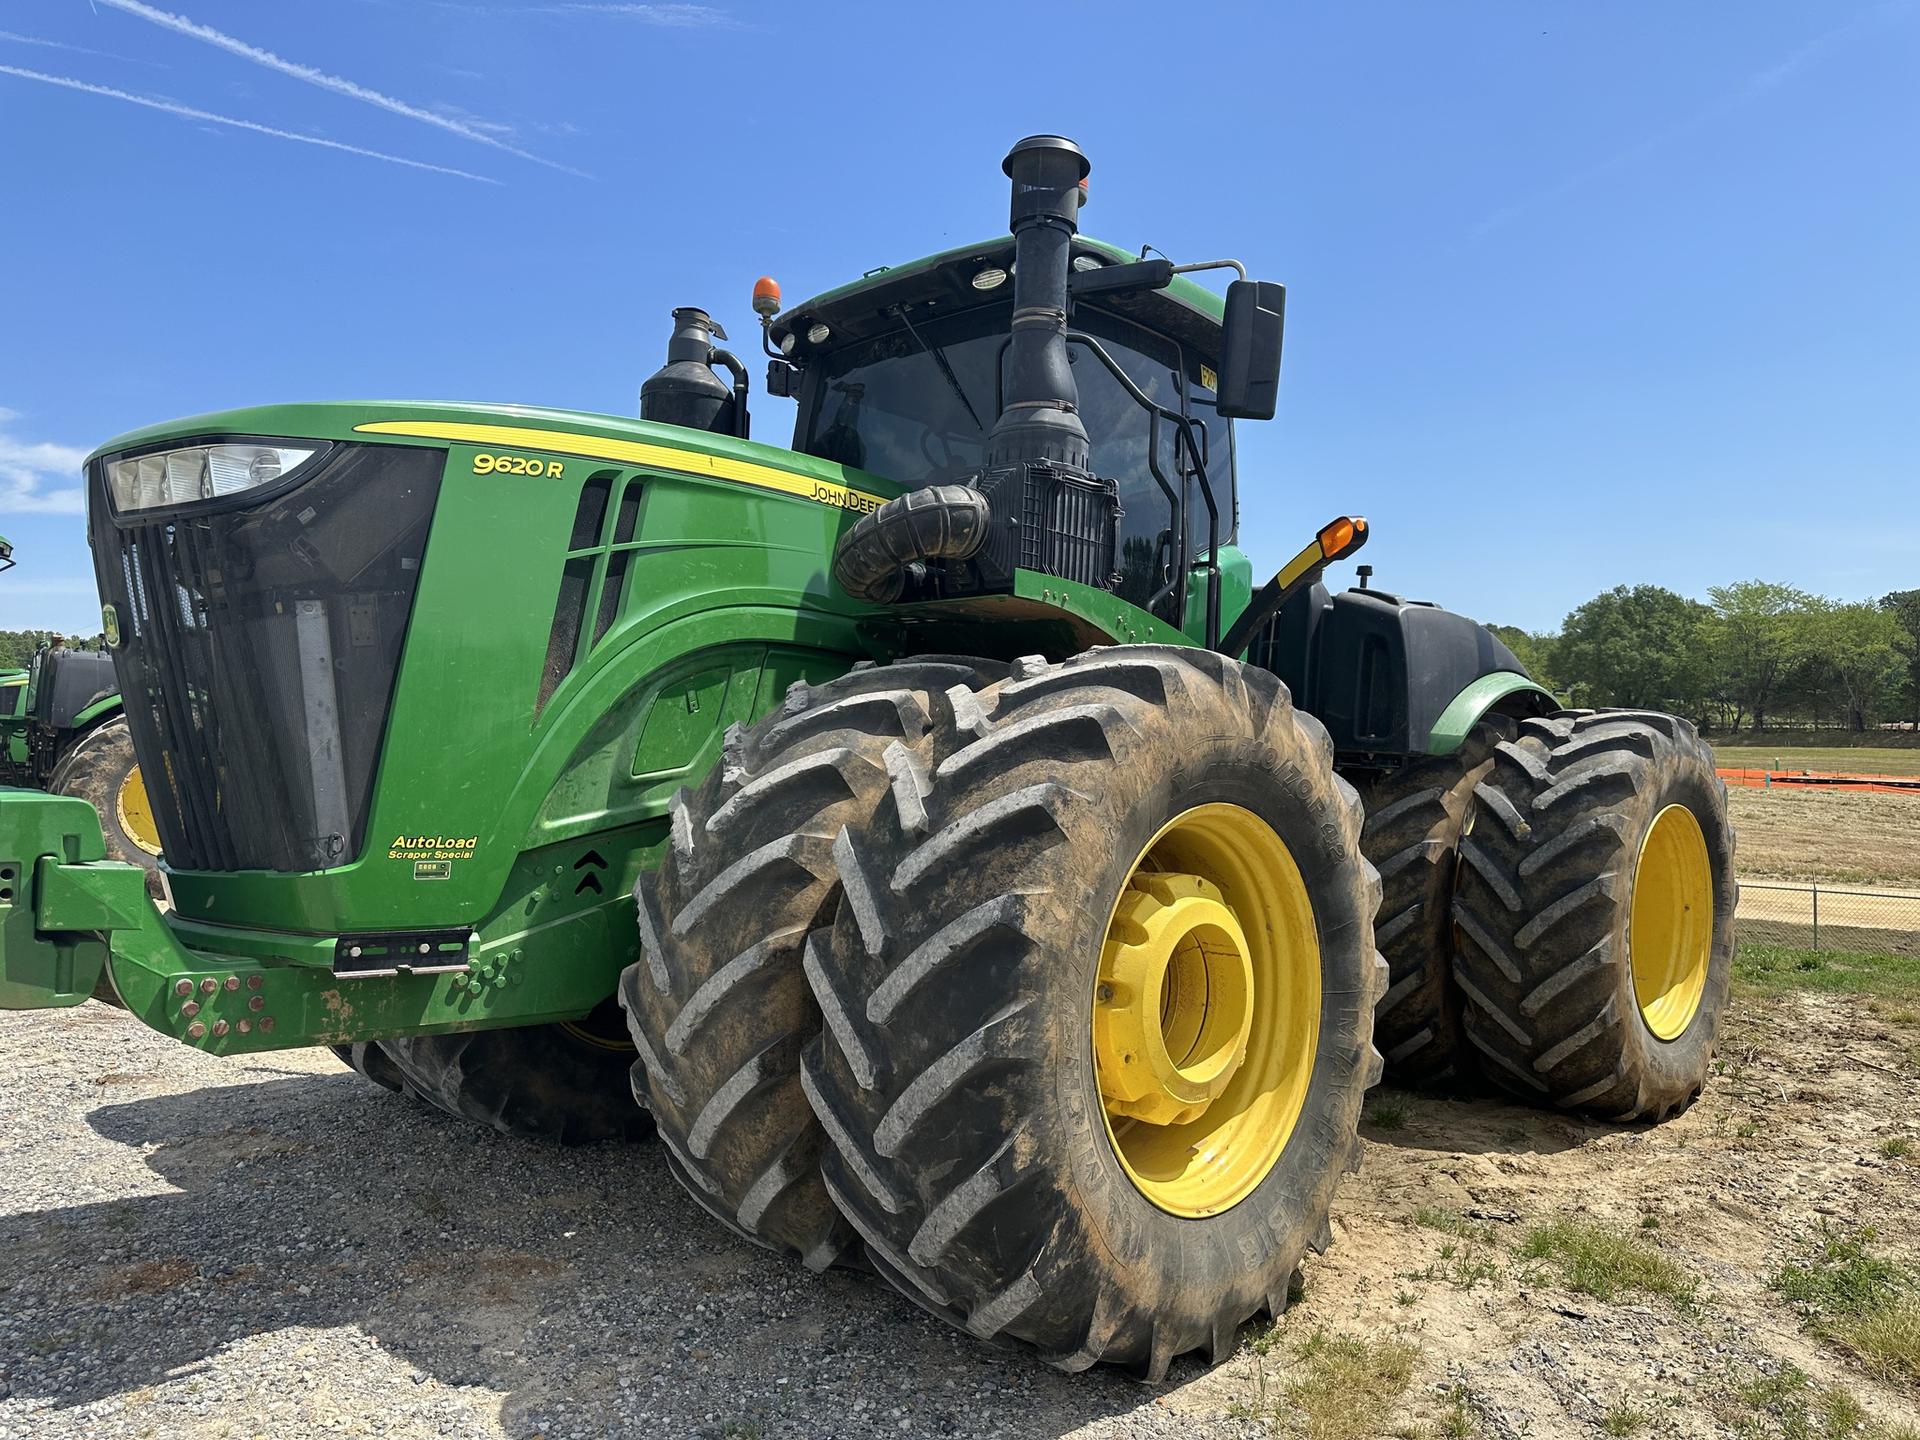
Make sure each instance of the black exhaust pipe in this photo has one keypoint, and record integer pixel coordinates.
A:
(1041, 418)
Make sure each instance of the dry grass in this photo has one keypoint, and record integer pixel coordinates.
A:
(1853, 838)
(1338, 1387)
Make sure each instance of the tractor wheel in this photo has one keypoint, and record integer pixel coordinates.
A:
(1099, 1008)
(717, 1004)
(100, 769)
(1416, 817)
(370, 1062)
(565, 1081)
(1595, 914)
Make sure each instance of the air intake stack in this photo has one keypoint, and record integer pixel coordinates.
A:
(1041, 420)
(1036, 504)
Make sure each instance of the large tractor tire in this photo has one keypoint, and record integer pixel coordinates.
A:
(717, 1004)
(1595, 910)
(366, 1059)
(1099, 1007)
(1416, 817)
(100, 768)
(565, 1081)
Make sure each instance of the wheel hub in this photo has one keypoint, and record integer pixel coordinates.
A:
(1670, 928)
(1205, 1014)
(136, 813)
(1174, 1000)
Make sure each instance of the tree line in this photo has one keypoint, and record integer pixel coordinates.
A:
(17, 646)
(1754, 654)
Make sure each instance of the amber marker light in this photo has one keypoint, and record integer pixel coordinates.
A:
(1339, 536)
(766, 297)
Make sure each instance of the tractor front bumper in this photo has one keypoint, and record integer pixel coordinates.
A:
(68, 914)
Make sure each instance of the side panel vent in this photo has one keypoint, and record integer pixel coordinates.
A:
(563, 641)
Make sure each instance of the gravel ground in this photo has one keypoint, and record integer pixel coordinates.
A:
(201, 1247)
(193, 1247)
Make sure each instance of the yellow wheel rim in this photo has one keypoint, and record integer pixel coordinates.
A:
(1206, 1010)
(136, 813)
(1670, 931)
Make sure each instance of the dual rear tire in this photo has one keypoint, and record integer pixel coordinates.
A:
(1086, 997)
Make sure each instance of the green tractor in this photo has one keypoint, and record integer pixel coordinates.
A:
(62, 730)
(969, 868)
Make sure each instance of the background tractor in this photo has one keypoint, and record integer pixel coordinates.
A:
(62, 730)
(967, 865)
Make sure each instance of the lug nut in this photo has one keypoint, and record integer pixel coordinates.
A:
(190, 1009)
(258, 1002)
(233, 983)
(244, 1026)
(196, 1031)
(219, 1027)
(209, 985)
(266, 1024)
(183, 987)
(253, 982)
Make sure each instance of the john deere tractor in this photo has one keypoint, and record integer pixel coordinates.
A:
(970, 865)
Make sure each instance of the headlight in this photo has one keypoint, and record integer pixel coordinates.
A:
(167, 478)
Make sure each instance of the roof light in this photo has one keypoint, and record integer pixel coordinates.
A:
(1084, 263)
(817, 335)
(787, 342)
(766, 297)
(991, 278)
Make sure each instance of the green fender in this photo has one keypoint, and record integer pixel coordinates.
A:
(102, 709)
(1467, 708)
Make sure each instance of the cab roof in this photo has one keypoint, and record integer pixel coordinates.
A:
(942, 284)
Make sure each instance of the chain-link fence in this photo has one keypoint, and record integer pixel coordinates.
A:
(1830, 917)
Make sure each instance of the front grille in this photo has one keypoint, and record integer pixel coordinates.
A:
(259, 649)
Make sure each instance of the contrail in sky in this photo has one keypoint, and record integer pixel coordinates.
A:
(181, 25)
(188, 112)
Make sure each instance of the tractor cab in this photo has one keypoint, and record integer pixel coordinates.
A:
(902, 374)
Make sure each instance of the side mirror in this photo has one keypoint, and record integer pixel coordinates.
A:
(1250, 349)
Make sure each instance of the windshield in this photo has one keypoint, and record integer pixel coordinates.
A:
(892, 407)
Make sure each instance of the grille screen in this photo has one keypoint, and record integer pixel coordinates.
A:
(259, 652)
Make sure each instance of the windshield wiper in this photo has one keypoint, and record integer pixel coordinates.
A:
(940, 359)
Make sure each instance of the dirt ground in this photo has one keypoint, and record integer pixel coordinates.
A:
(203, 1248)
(1838, 836)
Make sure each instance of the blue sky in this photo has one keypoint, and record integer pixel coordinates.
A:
(1578, 293)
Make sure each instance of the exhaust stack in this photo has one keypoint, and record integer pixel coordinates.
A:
(685, 391)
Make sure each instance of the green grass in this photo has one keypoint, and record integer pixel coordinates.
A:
(1896, 1148)
(1859, 1300)
(1387, 1115)
(1338, 1387)
(1624, 1419)
(1605, 1263)
(1833, 759)
(1789, 1405)
(1777, 969)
